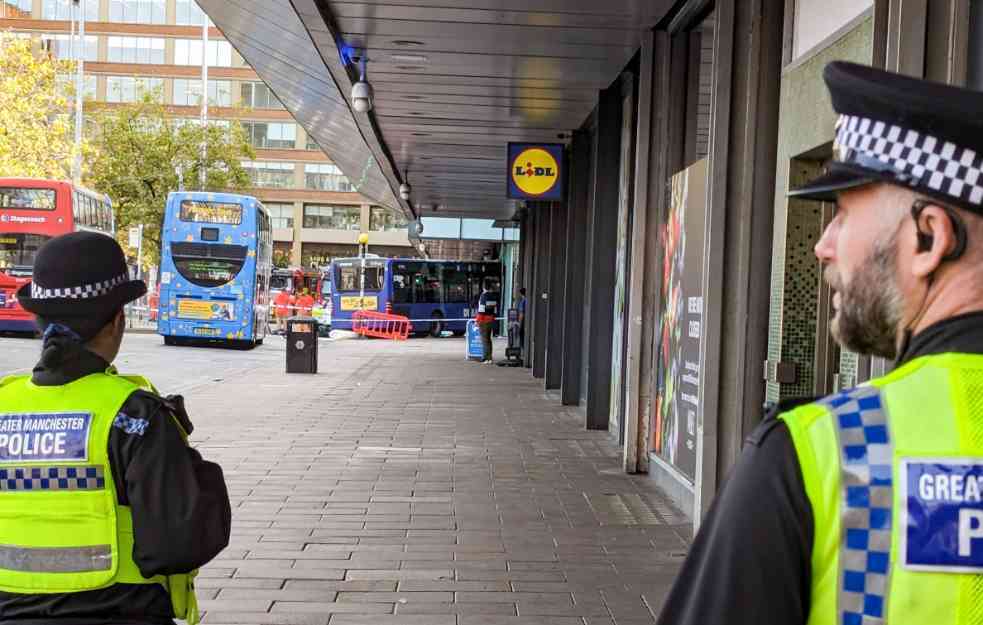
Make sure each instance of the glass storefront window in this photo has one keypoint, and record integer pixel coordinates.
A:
(327, 217)
(385, 220)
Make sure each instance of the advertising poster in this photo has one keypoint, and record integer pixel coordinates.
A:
(206, 311)
(677, 384)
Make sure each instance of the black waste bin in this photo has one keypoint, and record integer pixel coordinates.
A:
(301, 345)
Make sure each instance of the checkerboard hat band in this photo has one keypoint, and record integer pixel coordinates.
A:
(917, 159)
(85, 291)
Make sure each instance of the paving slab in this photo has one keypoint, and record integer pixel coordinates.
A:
(403, 485)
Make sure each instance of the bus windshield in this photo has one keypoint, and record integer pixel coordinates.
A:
(27, 199)
(17, 252)
(347, 278)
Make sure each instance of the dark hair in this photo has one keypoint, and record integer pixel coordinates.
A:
(63, 337)
(489, 284)
(522, 291)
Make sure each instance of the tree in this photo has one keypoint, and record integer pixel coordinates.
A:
(35, 122)
(141, 155)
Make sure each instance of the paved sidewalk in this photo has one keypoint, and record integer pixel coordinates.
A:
(406, 486)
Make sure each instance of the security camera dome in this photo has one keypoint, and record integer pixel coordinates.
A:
(362, 96)
(404, 190)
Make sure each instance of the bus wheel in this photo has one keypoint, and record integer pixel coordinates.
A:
(436, 326)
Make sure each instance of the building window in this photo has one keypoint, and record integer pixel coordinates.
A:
(138, 11)
(188, 52)
(326, 177)
(326, 217)
(66, 85)
(60, 46)
(62, 10)
(11, 8)
(188, 13)
(271, 134)
(281, 214)
(385, 220)
(187, 92)
(814, 22)
(270, 173)
(136, 50)
(258, 96)
(129, 88)
(312, 144)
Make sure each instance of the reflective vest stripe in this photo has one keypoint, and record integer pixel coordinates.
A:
(56, 559)
(867, 503)
(61, 477)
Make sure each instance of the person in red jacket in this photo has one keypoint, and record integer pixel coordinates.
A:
(283, 307)
(305, 304)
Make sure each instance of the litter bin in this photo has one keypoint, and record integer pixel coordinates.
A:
(301, 345)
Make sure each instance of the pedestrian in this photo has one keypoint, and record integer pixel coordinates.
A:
(283, 306)
(521, 306)
(305, 303)
(486, 317)
(865, 506)
(105, 511)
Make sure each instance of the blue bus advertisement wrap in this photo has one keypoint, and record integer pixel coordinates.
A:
(215, 262)
(436, 295)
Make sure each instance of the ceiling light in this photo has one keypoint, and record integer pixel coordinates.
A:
(409, 58)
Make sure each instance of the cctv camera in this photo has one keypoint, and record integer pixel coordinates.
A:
(404, 190)
(362, 97)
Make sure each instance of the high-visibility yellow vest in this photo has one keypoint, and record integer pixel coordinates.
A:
(894, 473)
(61, 528)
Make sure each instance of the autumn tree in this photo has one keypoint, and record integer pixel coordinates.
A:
(36, 138)
(142, 154)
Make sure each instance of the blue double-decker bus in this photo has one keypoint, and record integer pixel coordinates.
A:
(436, 294)
(215, 262)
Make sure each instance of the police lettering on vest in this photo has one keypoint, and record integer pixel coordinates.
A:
(44, 437)
(943, 515)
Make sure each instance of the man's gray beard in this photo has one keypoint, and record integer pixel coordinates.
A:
(870, 307)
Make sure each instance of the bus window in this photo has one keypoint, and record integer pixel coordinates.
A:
(455, 285)
(208, 265)
(404, 275)
(17, 252)
(348, 278)
(428, 286)
(33, 199)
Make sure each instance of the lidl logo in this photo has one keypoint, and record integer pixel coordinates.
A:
(534, 171)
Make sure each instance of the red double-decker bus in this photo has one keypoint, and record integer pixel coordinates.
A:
(31, 212)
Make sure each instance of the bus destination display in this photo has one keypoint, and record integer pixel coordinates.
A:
(211, 212)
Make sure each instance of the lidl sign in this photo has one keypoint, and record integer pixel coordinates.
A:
(535, 171)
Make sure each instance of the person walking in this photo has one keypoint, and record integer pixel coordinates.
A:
(106, 512)
(521, 307)
(864, 507)
(284, 307)
(486, 317)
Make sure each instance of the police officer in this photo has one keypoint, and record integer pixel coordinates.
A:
(485, 318)
(105, 511)
(866, 507)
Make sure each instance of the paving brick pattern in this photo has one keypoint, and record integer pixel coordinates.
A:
(406, 486)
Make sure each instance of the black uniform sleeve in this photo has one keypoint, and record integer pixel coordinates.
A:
(750, 562)
(180, 504)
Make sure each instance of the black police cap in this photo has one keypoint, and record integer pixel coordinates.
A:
(914, 133)
(82, 274)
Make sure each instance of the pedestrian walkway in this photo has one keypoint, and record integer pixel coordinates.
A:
(406, 486)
